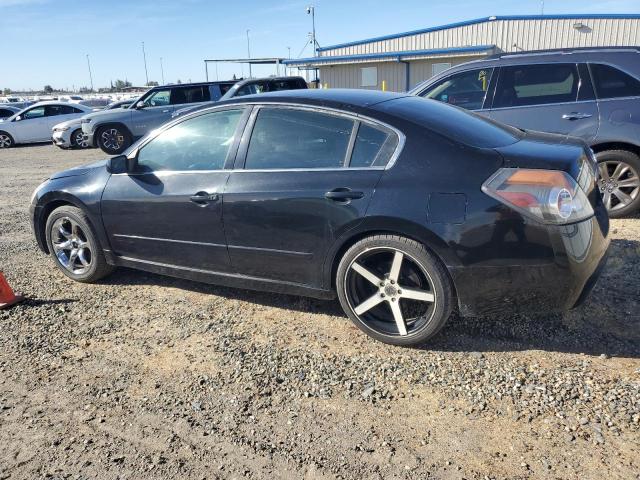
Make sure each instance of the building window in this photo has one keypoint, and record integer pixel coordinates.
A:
(438, 68)
(369, 77)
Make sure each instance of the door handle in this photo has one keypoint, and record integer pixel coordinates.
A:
(203, 198)
(576, 116)
(166, 111)
(343, 194)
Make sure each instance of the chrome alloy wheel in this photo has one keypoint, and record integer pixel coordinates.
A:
(5, 141)
(112, 139)
(71, 246)
(79, 139)
(619, 184)
(389, 291)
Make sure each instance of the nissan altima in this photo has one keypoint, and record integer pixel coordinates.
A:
(405, 209)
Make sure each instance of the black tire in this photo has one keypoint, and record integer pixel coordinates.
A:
(113, 139)
(420, 265)
(97, 267)
(607, 160)
(73, 139)
(6, 140)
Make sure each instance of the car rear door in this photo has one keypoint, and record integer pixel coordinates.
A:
(550, 97)
(303, 177)
(169, 210)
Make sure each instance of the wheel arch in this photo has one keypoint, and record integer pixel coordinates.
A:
(387, 226)
(604, 146)
(10, 136)
(48, 204)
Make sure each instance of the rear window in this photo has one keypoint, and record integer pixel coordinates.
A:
(524, 85)
(454, 123)
(613, 83)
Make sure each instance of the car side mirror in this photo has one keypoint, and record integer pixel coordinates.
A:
(18, 118)
(139, 105)
(122, 164)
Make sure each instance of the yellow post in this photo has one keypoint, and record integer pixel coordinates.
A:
(384, 85)
(326, 85)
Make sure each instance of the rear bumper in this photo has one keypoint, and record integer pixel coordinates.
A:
(558, 283)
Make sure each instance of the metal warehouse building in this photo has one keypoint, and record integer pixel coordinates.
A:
(405, 59)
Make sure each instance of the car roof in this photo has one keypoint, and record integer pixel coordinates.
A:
(267, 79)
(335, 97)
(57, 102)
(192, 84)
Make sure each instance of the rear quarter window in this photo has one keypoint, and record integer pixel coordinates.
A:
(611, 82)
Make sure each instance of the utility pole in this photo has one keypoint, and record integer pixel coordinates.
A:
(144, 56)
(90, 75)
(311, 10)
(162, 70)
(249, 53)
(289, 68)
(542, 7)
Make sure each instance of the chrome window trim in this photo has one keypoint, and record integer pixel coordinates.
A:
(256, 106)
(354, 117)
(537, 105)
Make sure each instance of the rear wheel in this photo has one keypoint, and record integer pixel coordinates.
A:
(79, 139)
(74, 245)
(394, 289)
(6, 140)
(619, 181)
(113, 139)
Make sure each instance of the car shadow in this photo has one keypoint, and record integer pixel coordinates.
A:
(607, 323)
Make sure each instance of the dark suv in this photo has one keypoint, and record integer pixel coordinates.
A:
(115, 130)
(254, 86)
(589, 93)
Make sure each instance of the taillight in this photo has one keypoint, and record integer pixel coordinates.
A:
(548, 196)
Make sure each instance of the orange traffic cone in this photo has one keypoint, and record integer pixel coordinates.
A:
(7, 297)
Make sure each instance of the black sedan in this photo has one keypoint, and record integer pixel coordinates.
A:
(406, 209)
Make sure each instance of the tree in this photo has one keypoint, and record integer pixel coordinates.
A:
(7, 91)
(152, 83)
(48, 89)
(120, 84)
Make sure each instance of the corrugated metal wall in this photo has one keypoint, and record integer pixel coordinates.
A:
(512, 35)
(394, 73)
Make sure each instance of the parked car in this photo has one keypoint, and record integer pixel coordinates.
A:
(253, 86)
(69, 134)
(7, 111)
(353, 192)
(34, 123)
(115, 130)
(590, 93)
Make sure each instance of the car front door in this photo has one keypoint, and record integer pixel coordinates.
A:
(303, 177)
(151, 111)
(168, 211)
(552, 97)
(31, 125)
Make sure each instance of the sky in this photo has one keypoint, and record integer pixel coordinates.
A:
(46, 42)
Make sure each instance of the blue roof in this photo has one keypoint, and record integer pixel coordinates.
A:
(396, 55)
(482, 20)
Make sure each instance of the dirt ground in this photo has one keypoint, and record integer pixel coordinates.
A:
(143, 376)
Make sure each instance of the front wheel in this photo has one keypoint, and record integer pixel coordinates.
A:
(6, 140)
(113, 139)
(619, 181)
(74, 245)
(394, 289)
(79, 139)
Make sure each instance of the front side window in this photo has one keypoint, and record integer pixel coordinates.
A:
(373, 147)
(613, 83)
(537, 85)
(200, 143)
(35, 112)
(467, 89)
(182, 95)
(159, 98)
(285, 138)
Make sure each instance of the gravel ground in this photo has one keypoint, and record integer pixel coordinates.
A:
(143, 376)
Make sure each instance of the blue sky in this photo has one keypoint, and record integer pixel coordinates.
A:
(46, 41)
